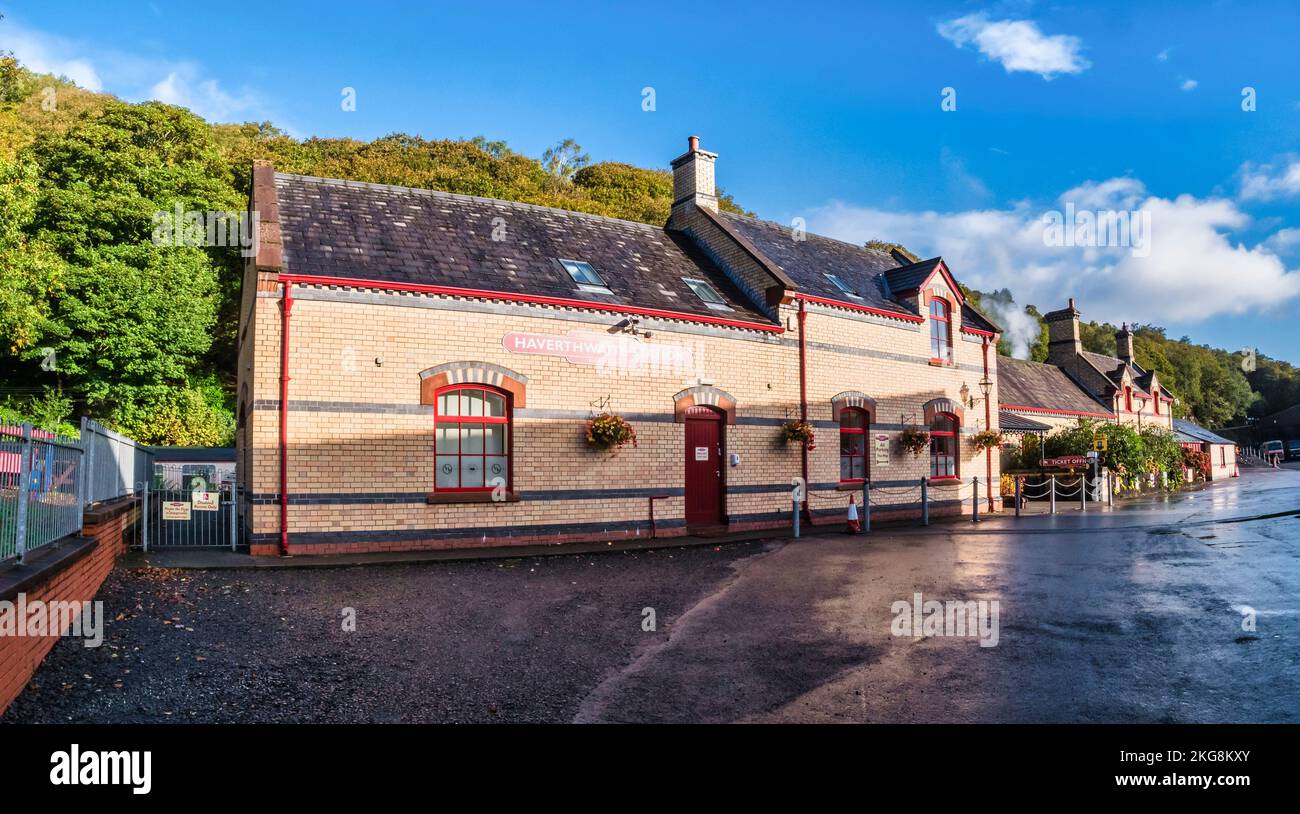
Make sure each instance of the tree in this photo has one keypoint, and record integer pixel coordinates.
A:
(564, 159)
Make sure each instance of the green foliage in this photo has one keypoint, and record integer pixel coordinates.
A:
(1130, 454)
(48, 411)
(181, 416)
(886, 247)
(564, 159)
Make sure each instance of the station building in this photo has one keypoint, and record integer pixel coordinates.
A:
(418, 369)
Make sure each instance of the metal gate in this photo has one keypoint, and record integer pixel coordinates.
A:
(191, 518)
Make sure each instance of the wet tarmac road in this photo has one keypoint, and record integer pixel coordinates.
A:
(1132, 615)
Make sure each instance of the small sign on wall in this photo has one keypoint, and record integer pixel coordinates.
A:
(701, 453)
(880, 442)
(205, 501)
(176, 510)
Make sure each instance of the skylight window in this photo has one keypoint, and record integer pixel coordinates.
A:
(843, 286)
(707, 293)
(585, 276)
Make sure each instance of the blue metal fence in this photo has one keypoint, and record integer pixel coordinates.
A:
(46, 481)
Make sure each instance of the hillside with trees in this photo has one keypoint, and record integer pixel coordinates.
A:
(99, 321)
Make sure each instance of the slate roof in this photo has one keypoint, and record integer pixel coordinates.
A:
(1113, 365)
(1194, 433)
(336, 228)
(873, 274)
(1022, 383)
(1012, 422)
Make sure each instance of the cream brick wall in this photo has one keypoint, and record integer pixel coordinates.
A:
(367, 434)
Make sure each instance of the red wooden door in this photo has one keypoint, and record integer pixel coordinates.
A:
(703, 466)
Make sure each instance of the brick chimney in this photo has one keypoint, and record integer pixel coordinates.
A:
(1063, 341)
(1124, 344)
(693, 177)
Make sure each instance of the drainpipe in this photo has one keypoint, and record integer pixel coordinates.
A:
(988, 424)
(286, 309)
(803, 393)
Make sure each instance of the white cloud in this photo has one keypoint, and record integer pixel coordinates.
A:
(1266, 182)
(44, 54)
(1163, 56)
(131, 77)
(1194, 269)
(1017, 44)
(1188, 84)
(205, 97)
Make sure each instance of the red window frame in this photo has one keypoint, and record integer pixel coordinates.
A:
(441, 420)
(1128, 399)
(862, 431)
(940, 330)
(1155, 394)
(945, 437)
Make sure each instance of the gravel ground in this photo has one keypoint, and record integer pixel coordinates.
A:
(501, 640)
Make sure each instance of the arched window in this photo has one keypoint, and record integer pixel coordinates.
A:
(1155, 394)
(854, 426)
(940, 330)
(943, 446)
(472, 430)
(1128, 399)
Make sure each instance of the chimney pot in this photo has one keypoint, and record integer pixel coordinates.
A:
(693, 178)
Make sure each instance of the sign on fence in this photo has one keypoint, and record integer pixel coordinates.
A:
(176, 510)
(206, 501)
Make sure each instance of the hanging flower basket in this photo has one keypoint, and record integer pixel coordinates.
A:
(609, 431)
(800, 431)
(987, 439)
(914, 439)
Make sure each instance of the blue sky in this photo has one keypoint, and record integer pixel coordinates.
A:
(828, 113)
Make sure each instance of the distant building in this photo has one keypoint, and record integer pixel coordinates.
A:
(1222, 451)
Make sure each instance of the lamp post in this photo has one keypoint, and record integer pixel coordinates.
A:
(986, 387)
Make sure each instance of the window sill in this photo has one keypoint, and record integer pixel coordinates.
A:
(940, 363)
(469, 497)
(941, 478)
(849, 486)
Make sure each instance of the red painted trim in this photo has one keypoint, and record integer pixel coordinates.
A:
(863, 308)
(952, 281)
(1050, 410)
(484, 294)
(286, 309)
(977, 332)
(988, 425)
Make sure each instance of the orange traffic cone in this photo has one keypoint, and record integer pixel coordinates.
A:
(855, 527)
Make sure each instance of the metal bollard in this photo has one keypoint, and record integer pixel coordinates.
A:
(866, 505)
(1053, 486)
(234, 518)
(796, 517)
(975, 500)
(1110, 489)
(145, 510)
(1019, 480)
(1083, 493)
(925, 502)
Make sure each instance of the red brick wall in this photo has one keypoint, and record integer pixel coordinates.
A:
(80, 581)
